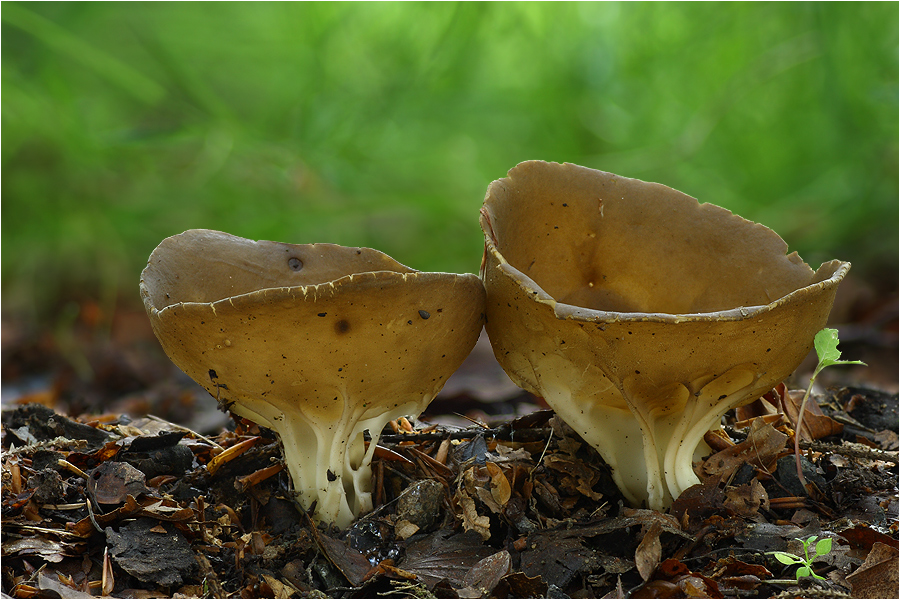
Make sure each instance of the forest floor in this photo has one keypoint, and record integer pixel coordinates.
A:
(122, 479)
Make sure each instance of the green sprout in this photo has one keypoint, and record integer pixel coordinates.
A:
(821, 548)
(826, 342)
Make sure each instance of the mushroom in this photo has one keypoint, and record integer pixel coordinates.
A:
(320, 343)
(641, 315)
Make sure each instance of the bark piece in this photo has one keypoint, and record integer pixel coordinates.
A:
(144, 552)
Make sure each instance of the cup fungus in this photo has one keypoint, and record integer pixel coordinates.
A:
(641, 315)
(318, 342)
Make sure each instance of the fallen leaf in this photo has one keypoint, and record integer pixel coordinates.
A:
(557, 555)
(734, 573)
(486, 573)
(349, 561)
(46, 583)
(405, 529)
(500, 488)
(762, 445)
(877, 577)
(471, 520)
(443, 555)
(279, 589)
(863, 538)
(579, 477)
(111, 482)
(690, 584)
(697, 503)
(815, 424)
(520, 585)
(746, 500)
(48, 550)
(649, 551)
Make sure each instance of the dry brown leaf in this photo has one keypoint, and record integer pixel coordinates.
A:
(279, 589)
(815, 424)
(877, 577)
(765, 406)
(405, 529)
(746, 500)
(349, 561)
(577, 476)
(760, 448)
(500, 489)
(649, 551)
(443, 555)
(111, 482)
(486, 573)
(472, 521)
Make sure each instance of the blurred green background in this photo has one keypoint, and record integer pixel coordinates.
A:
(382, 124)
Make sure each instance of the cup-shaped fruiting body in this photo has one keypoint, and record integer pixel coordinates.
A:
(640, 315)
(318, 342)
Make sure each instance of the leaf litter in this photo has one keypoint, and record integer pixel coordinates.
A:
(99, 503)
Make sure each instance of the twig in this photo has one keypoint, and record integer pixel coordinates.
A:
(209, 577)
(868, 453)
(57, 442)
(177, 427)
(503, 432)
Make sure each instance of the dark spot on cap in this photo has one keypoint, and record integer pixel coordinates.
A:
(322, 314)
(212, 374)
(424, 314)
(331, 476)
(295, 263)
(342, 326)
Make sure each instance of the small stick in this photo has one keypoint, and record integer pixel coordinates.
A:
(443, 452)
(209, 576)
(248, 481)
(230, 454)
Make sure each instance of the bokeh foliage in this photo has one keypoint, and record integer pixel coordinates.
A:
(381, 124)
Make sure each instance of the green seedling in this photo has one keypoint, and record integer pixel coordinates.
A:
(825, 342)
(821, 548)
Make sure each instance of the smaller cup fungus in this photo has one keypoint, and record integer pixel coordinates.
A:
(641, 315)
(318, 342)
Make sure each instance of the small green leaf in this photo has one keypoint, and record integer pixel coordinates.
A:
(823, 547)
(787, 559)
(803, 572)
(826, 343)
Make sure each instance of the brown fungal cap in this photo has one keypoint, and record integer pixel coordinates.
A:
(641, 315)
(318, 342)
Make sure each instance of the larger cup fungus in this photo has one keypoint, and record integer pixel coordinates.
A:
(641, 315)
(317, 342)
